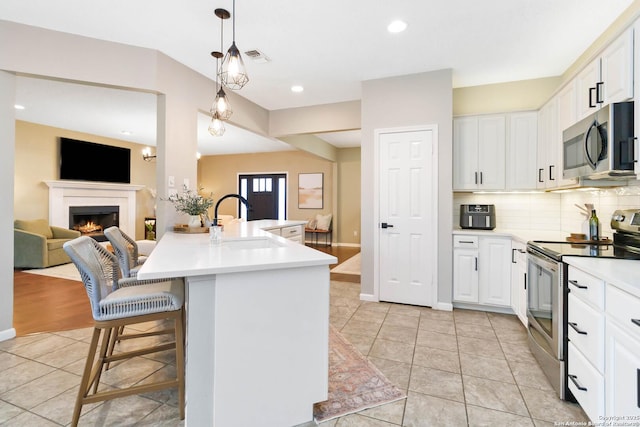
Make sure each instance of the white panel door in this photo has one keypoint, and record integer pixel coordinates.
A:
(407, 218)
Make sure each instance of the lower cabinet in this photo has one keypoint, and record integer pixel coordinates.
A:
(482, 270)
(519, 280)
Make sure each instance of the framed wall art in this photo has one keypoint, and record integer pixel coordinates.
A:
(310, 190)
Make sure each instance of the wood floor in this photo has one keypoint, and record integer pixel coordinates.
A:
(49, 304)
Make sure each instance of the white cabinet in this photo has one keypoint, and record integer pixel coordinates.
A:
(519, 280)
(607, 79)
(622, 375)
(465, 266)
(522, 143)
(567, 116)
(291, 232)
(479, 153)
(548, 168)
(482, 270)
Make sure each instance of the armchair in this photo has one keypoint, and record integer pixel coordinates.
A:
(39, 245)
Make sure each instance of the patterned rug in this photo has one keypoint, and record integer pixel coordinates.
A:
(355, 383)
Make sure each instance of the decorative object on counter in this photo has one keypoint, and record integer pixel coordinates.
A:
(184, 228)
(192, 204)
(364, 387)
(150, 228)
(310, 190)
(480, 217)
(215, 234)
(594, 226)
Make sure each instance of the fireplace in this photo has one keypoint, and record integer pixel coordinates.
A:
(93, 220)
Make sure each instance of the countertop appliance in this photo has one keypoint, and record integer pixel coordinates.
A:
(479, 217)
(547, 291)
(601, 145)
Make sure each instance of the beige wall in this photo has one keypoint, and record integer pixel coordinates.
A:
(349, 191)
(37, 159)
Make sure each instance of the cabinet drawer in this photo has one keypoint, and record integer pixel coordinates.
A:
(465, 241)
(586, 331)
(625, 308)
(586, 287)
(586, 384)
(290, 232)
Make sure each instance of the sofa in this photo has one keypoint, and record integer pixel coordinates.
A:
(36, 244)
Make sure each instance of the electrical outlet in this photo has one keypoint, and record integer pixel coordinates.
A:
(171, 182)
(355, 233)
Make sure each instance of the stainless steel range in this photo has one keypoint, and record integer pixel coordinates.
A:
(547, 290)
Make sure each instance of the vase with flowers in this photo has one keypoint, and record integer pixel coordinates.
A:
(192, 204)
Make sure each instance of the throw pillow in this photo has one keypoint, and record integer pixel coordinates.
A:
(311, 224)
(323, 222)
(37, 226)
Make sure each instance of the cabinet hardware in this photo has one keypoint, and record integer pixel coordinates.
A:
(480, 178)
(513, 251)
(578, 285)
(635, 322)
(540, 175)
(525, 281)
(476, 177)
(385, 225)
(466, 241)
(599, 99)
(522, 251)
(575, 328)
(638, 387)
(550, 172)
(591, 104)
(476, 263)
(574, 379)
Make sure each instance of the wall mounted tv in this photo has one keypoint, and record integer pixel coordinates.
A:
(88, 161)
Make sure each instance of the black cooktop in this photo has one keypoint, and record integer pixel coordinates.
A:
(558, 250)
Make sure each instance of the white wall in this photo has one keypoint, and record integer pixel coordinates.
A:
(7, 142)
(417, 99)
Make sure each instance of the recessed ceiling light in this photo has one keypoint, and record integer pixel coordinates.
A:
(18, 107)
(397, 26)
(297, 88)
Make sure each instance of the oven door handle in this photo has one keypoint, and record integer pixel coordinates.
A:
(574, 379)
(575, 328)
(578, 285)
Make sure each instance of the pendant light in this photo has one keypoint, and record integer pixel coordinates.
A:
(233, 73)
(216, 127)
(221, 105)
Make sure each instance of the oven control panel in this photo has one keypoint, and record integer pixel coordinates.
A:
(626, 220)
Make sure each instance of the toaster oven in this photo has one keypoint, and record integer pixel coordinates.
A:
(480, 217)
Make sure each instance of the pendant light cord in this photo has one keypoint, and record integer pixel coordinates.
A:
(234, 21)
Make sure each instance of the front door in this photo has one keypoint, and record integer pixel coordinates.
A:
(266, 194)
(408, 212)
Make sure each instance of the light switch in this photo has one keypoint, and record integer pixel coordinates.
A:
(186, 183)
(171, 182)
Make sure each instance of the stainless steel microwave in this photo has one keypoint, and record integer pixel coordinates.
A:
(601, 145)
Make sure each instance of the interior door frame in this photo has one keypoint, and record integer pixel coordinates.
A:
(376, 200)
(287, 189)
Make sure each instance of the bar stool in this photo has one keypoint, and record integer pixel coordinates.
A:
(117, 303)
(126, 250)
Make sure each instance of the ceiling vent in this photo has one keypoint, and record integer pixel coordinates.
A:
(257, 56)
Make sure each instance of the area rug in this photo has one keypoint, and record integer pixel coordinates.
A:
(64, 271)
(350, 266)
(355, 383)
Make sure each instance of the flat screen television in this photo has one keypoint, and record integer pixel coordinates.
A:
(88, 161)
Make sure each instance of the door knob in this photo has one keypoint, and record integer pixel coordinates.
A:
(385, 225)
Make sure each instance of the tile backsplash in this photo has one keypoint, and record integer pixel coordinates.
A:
(552, 211)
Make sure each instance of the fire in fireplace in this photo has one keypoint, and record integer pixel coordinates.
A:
(93, 220)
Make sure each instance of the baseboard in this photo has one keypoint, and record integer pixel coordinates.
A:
(444, 306)
(348, 245)
(368, 297)
(7, 334)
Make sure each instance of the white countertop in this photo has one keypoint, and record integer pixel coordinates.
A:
(622, 273)
(522, 235)
(182, 255)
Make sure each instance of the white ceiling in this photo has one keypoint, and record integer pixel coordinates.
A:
(329, 47)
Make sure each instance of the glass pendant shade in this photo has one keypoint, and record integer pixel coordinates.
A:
(221, 105)
(233, 73)
(216, 127)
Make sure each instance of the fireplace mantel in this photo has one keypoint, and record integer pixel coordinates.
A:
(63, 194)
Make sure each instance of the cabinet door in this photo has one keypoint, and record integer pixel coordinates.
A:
(495, 271)
(518, 280)
(586, 89)
(491, 152)
(622, 372)
(548, 140)
(465, 153)
(521, 151)
(617, 69)
(465, 275)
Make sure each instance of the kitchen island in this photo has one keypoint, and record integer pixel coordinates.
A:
(257, 323)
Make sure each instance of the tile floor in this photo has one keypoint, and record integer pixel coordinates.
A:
(459, 368)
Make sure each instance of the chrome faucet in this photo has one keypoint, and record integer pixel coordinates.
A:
(237, 196)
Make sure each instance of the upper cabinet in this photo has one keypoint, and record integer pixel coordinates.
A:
(522, 143)
(609, 78)
(479, 153)
(549, 168)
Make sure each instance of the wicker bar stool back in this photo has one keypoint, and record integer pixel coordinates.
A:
(117, 303)
(126, 250)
